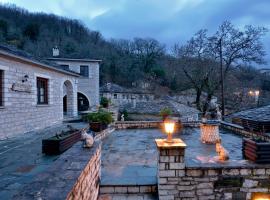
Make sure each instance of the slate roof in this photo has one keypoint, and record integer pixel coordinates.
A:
(154, 107)
(14, 52)
(257, 114)
(114, 88)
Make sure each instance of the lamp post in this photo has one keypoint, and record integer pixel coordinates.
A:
(169, 129)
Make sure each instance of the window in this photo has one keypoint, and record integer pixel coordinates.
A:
(42, 90)
(115, 96)
(65, 67)
(84, 70)
(1, 87)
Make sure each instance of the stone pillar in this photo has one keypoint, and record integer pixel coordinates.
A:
(171, 166)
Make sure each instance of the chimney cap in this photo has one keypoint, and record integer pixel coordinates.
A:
(55, 51)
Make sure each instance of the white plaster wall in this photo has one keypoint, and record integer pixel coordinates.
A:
(20, 112)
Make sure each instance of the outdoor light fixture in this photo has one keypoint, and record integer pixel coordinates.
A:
(25, 78)
(260, 196)
(169, 126)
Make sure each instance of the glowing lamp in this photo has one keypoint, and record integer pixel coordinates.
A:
(260, 196)
(257, 92)
(169, 129)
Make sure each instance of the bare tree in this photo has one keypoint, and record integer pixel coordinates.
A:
(233, 47)
(229, 46)
(148, 51)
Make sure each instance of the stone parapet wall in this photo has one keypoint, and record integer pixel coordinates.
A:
(102, 134)
(241, 131)
(148, 124)
(74, 175)
(126, 189)
(137, 124)
(213, 183)
(177, 181)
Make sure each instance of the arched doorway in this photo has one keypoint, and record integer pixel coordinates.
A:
(83, 103)
(69, 99)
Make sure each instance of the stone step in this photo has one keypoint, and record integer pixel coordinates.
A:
(128, 197)
(128, 189)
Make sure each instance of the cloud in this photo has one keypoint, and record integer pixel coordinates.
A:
(168, 21)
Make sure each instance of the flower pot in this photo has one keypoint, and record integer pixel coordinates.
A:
(97, 126)
(57, 145)
(256, 150)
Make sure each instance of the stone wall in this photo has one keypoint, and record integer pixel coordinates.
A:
(148, 124)
(136, 124)
(102, 134)
(89, 86)
(20, 112)
(177, 181)
(241, 131)
(74, 175)
(87, 185)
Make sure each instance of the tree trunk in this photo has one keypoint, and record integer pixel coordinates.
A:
(198, 98)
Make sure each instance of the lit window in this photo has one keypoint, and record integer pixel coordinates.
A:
(42, 90)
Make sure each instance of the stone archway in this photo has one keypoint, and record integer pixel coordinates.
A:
(69, 99)
(83, 102)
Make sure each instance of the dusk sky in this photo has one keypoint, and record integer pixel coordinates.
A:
(170, 22)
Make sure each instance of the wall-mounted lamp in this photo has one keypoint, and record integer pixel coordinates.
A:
(25, 78)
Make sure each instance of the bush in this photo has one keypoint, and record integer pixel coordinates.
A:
(101, 116)
(104, 102)
(165, 112)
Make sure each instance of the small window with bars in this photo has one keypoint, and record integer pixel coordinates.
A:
(1, 87)
(42, 90)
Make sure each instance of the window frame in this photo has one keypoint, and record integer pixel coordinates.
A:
(45, 81)
(1, 88)
(82, 74)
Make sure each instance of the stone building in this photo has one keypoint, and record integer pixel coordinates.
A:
(88, 82)
(120, 95)
(34, 93)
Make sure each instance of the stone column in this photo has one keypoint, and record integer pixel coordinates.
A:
(171, 166)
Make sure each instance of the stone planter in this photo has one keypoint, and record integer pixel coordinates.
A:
(256, 151)
(97, 126)
(57, 145)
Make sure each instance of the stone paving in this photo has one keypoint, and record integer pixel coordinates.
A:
(21, 159)
(129, 157)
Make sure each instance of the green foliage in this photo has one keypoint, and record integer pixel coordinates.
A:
(158, 73)
(165, 112)
(3, 27)
(101, 116)
(125, 113)
(31, 31)
(104, 102)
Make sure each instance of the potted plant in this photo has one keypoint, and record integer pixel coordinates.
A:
(104, 102)
(99, 121)
(165, 113)
(60, 142)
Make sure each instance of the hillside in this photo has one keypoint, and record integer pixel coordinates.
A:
(132, 63)
(38, 33)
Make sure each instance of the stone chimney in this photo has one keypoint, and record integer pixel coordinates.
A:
(55, 51)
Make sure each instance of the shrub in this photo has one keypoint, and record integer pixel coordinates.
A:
(104, 102)
(101, 116)
(165, 112)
